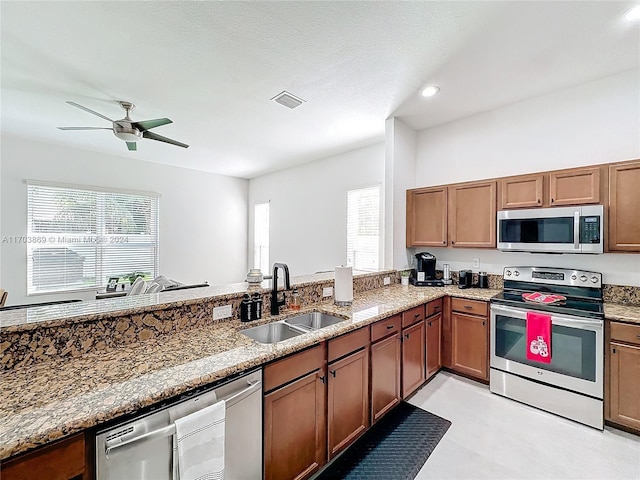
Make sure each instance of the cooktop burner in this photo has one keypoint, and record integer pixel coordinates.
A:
(583, 290)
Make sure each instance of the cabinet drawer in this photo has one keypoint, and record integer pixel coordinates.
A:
(283, 371)
(434, 307)
(624, 332)
(412, 316)
(385, 327)
(350, 342)
(474, 307)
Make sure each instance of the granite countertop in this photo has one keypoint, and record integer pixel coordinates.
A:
(623, 313)
(51, 400)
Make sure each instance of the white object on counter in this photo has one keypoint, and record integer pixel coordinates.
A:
(343, 286)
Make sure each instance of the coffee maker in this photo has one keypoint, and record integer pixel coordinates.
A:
(424, 273)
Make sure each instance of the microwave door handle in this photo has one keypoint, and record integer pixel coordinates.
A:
(576, 230)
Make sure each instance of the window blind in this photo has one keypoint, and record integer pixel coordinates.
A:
(363, 228)
(261, 237)
(77, 238)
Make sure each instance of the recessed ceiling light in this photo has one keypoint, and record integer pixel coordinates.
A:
(430, 91)
(633, 14)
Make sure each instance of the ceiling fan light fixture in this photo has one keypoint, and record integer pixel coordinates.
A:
(127, 134)
(430, 91)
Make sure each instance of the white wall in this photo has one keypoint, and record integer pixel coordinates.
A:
(308, 208)
(203, 217)
(400, 165)
(597, 122)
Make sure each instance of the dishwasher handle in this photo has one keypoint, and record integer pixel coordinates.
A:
(171, 429)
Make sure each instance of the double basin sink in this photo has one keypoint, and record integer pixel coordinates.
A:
(291, 327)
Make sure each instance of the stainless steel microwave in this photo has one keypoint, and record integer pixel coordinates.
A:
(552, 230)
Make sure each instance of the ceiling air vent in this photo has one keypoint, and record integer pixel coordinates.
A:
(288, 100)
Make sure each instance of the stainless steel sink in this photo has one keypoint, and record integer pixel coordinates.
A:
(291, 327)
(314, 320)
(273, 332)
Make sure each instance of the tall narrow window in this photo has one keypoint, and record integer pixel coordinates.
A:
(79, 237)
(261, 237)
(363, 228)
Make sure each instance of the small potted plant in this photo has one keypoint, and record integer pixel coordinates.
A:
(404, 277)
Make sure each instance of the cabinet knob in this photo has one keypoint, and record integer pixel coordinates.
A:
(613, 350)
(483, 323)
(406, 335)
(552, 200)
(429, 323)
(538, 201)
(444, 242)
(453, 243)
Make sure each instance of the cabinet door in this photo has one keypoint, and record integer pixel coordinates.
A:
(624, 205)
(295, 429)
(413, 366)
(472, 215)
(348, 404)
(385, 376)
(624, 399)
(62, 460)
(427, 217)
(470, 350)
(574, 187)
(521, 192)
(446, 332)
(434, 337)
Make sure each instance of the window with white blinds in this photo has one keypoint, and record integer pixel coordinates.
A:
(261, 237)
(77, 238)
(363, 228)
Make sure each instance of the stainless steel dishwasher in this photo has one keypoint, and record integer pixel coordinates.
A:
(142, 448)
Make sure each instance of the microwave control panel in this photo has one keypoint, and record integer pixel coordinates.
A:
(590, 229)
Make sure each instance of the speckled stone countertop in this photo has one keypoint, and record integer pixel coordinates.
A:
(624, 313)
(51, 400)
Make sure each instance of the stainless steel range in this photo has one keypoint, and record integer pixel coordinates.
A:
(562, 374)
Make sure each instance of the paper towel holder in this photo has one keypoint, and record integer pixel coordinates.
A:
(343, 286)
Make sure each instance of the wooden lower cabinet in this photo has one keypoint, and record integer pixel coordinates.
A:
(348, 400)
(624, 401)
(469, 345)
(385, 375)
(413, 358)
(434, 341)
(62, 460)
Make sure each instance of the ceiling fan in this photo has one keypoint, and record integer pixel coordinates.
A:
(128, 130)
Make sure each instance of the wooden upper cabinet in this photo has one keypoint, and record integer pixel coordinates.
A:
(472, 215)
(427, 217)
(574, 187)
(525, 191)
(624, 207)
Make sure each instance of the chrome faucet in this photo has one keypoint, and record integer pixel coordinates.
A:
(275, 301)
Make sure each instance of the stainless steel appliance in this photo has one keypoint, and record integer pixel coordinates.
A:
(465, 279)
(142, 448)
(424, 273)
(571, 385)
(552, 230)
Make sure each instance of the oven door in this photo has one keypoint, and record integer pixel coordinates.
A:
(577, 358)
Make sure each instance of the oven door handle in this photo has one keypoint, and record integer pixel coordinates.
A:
(556, 319)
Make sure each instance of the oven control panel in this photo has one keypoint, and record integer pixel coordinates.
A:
(554, 276)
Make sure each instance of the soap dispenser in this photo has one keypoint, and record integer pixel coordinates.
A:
(296, 300)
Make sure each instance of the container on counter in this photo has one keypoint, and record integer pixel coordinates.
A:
(296, 300)
(256, 306)
(245, 308)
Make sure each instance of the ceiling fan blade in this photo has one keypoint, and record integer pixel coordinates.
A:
(149, 124)
(88, 110)
(84, 128)
(160, 138)
(132, 146)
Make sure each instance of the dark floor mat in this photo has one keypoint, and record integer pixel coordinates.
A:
(393, 449)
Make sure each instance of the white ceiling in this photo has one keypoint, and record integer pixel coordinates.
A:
(212, 68)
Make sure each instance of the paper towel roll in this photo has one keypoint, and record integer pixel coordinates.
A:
(343, 285)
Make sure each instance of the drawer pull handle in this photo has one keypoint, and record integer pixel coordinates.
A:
(322, 379)
(389, 327)
(468, 307)
(637, 336)
(436, 308)
(333, 373)
(417, 315)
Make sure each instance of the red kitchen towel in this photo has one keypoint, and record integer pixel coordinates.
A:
(539, 337)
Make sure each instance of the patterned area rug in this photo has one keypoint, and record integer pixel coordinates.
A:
(395, 448)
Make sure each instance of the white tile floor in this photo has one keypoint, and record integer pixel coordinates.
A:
(494, 437)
